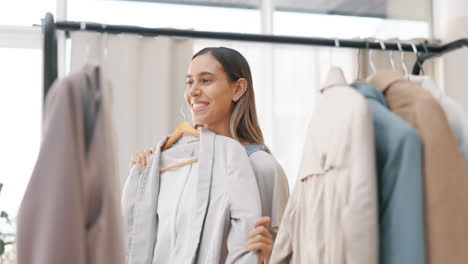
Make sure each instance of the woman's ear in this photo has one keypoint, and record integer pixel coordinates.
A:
(239, 88)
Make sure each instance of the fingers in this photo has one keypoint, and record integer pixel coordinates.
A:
(259, 243)
(262, 231)
(263, 221)
(140, 158)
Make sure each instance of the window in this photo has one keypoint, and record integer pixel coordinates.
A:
(24, 12)
(165, 15)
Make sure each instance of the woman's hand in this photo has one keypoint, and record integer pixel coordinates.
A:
(140, 158)
(260, 239)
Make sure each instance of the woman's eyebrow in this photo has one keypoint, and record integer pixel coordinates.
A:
(200, 74)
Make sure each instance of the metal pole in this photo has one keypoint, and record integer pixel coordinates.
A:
(49, 53)
(344, 43)
(457, 44)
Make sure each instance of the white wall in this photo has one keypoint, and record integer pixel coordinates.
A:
(409, 10)
(451, 23)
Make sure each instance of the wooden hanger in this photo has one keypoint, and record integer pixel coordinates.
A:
(183, 128)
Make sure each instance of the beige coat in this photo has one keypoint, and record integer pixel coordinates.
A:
(331, 216)
(70, 212)
(446, 182)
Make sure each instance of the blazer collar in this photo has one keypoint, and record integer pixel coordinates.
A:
(384, 79)
(335, 77)
(205, 169)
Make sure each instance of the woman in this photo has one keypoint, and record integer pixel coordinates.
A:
(220, 96)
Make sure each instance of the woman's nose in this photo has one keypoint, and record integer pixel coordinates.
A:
(194, 91)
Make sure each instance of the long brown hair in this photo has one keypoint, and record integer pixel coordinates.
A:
(244, 123)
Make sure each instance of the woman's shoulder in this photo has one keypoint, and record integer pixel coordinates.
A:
(265, 163)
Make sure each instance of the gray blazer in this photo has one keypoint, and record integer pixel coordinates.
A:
(225, 208)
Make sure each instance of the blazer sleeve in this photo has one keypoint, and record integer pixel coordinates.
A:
(129, 195)
(360, 219)
(244, 205)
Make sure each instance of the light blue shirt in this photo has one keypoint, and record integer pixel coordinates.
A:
(400, 183)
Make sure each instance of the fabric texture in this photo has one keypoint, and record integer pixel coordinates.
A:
(175, 198)
(445, 179)
(70, 212)
(454, 112)
(272, 185)
(331, 216)
(225, 206)
(400, 183)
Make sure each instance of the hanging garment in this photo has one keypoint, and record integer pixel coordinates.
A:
(175, 200)
(400, 183)
(445, 179)
(70, 212)
(272, 183)
(454, 112)
(225, 205)
(331, 216)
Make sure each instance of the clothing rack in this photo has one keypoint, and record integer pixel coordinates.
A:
(425, 51)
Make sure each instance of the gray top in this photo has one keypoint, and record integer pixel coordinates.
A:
(272, 184)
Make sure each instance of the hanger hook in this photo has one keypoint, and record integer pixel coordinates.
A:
(384, 48)
(392, 61)
(358, 64)
(382, 45)
(371, 63)
(426, 50)
(402, 58)
(415, 50)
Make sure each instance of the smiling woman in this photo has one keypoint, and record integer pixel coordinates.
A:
(221, 97)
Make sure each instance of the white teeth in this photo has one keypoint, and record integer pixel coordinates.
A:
(199, 105)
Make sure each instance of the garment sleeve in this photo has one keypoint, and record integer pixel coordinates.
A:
(129, 195)
(283, 247)
(279, 197)
(360, 218)
(244, 205)
(405, 237)
(52, 220)
(273, 186)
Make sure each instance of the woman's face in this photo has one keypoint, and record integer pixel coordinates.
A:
(209, 93)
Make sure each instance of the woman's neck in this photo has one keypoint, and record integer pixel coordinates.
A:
(222, 129)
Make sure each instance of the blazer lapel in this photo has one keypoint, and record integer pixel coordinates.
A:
(144, 231)
(205, 170)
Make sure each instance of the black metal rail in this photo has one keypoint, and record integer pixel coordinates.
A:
(425, 51)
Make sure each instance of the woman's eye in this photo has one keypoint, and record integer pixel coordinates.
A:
(206, 81)
(189, 82)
